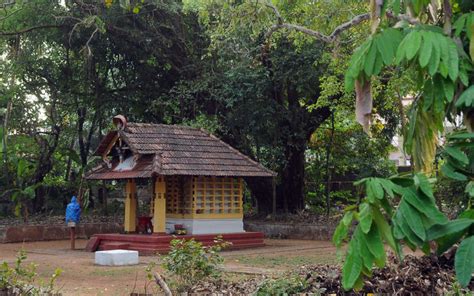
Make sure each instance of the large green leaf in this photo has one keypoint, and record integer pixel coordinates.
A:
(413, 44)
(365, 217)
(453, 69)
(367, 257)
(374, 190)
(467, 98)
(457, 154)
(413, 219)
(384, 228)
(444, 52)
(342, 229)
(440, 230)
(423, 183)
(460, 136)
(448, 88)
(426, 50)
(464, 261)
(401, 182)
(388, 186)
(425, 206)
(370, 60)
(356, 65)
(375, 245)
(387, 44)
(347, 219)
(435, 56)
(409, 236)
(352, 266)
(460, 23)
(449, 172)
(340, 233)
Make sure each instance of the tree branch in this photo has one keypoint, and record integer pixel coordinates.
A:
(337, 31)
(24, 31)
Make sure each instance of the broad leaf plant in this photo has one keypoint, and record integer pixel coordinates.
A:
(434, 40)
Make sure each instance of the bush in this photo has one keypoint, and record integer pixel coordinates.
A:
(20, 280)
(282, 286)
(191, 262)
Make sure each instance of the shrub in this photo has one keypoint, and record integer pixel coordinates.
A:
(20, 279)
(191, 262)
(282, 286)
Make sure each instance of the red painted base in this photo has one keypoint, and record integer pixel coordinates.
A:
(152, 244)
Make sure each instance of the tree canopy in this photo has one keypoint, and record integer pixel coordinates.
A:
(276, 79)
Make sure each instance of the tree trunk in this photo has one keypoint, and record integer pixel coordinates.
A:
(261, 189)
(293, 179)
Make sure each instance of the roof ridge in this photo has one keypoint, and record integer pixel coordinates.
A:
(140, 124)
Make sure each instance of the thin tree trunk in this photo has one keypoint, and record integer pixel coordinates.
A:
(5, 140)
(328, 170)
(69, 162)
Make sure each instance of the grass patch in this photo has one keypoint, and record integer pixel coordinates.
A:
(288, 262)
(114, 272)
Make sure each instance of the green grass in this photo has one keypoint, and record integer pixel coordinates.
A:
(114, 272)
(284, 262)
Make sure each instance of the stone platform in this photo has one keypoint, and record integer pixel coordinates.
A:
(116, 257)
(160, 243)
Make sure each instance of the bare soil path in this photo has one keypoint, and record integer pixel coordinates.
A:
(81, 277)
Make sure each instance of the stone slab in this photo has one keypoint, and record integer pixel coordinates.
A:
(116, 257)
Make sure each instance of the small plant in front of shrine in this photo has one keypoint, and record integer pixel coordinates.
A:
(287, 285)
(190, 262)
(20, 279)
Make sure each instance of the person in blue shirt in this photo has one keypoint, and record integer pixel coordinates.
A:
(73, 212)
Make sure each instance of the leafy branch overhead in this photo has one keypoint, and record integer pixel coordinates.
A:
(441, 62)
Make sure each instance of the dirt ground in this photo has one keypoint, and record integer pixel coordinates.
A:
(81, 277)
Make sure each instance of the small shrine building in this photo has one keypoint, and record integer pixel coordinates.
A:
(197, 180)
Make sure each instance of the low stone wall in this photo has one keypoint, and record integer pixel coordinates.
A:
(30, 233)
(291, 230)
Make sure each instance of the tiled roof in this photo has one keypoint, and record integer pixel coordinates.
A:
(177, 150)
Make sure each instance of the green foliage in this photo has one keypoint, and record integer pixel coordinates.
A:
(459, 156)
(354, 155)
(378, 51)
(463, 262)
(380, 222)
(282, 286)
(20, 279)
(442, 90)
(190, 262)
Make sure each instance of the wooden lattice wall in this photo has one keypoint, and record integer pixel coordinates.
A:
(204, 197)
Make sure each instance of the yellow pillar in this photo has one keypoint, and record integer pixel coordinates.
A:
(159, 207)
(130, 206)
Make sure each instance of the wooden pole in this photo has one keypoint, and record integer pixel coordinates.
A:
(161, 282)
(159, 208)
(274, 205)
(72, 231)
